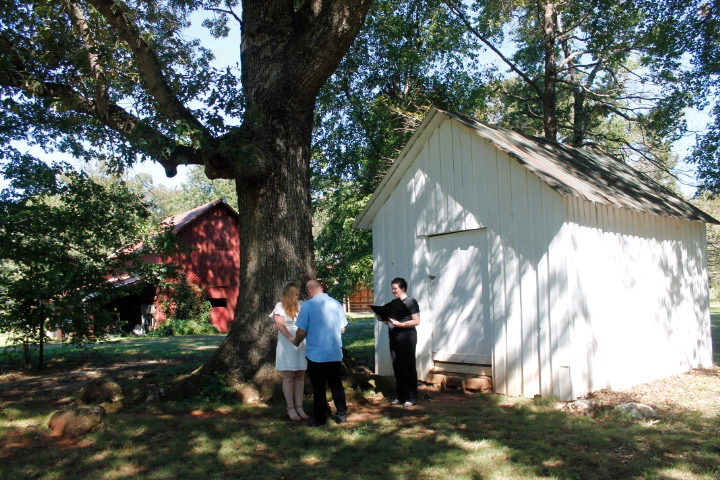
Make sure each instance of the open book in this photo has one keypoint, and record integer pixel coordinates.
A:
(395, 309)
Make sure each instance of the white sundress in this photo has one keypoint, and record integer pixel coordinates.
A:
(287, 356)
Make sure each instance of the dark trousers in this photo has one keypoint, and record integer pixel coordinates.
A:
(322, 374)
(402, 352)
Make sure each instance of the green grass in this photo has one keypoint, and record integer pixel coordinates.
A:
(359, 340)
(447, 437)
(715, 330)
(359, 317)
(174, 350)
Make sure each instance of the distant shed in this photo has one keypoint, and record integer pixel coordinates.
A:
(551, 269)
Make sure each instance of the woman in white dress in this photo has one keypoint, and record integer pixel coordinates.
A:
(290, 360)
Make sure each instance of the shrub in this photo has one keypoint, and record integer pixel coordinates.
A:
(186, 312)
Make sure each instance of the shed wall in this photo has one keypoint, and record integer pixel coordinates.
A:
(460, 182)
(573, 287)
(639, 284)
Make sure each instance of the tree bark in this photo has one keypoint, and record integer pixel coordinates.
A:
(275, 244)
(287, 55)
(549, 16)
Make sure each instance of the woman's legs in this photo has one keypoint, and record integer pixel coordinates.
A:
(299, 392)
(288, 387)
(402, 352)
(397, 354)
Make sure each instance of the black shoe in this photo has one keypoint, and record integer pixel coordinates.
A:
(341, 418)
(314, 423)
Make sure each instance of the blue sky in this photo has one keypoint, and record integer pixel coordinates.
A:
(227, 52)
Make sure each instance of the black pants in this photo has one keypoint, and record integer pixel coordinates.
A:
(402, 352)
(322, 374)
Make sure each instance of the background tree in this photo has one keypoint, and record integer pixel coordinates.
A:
(119, 79)
(580, 77)
(686, 36)
(408, 56)
(594, 74)
(58, 229)
(197, 190)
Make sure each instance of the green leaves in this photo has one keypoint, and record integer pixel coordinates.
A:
(686, 48)
(61, 238)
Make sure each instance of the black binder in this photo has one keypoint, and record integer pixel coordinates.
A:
(395, 309)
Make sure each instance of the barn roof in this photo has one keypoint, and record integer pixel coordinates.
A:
(567, 170)
(180, 221)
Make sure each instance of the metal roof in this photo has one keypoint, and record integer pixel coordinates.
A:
(181, 220)
(568, 170)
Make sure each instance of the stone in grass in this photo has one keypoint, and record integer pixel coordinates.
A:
(112, 407)
(582, 406)
(77, 421)
(639, 411)
(99, 391)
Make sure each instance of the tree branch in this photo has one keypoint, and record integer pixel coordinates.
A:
(77, 17)
(569, 58)
(288, 54)
(228, 12)
(162, 148)
(482, 38)
(150, 67)
(327, 26)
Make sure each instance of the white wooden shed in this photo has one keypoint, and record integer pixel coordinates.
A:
(554, 270)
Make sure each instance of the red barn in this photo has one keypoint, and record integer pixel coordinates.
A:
(210, 234)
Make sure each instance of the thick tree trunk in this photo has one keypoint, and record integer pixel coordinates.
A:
(287, 55)
(275, 243)
(580, 117)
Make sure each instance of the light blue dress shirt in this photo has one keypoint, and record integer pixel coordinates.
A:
(322, 317)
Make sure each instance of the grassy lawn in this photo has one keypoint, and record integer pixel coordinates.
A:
(715, 330)
(448, 436)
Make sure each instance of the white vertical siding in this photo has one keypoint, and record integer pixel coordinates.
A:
(485, 153)
(580, 296)
(640, 297)
(450, 184)
(399, 252)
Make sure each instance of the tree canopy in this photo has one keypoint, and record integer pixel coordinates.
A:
(595, 74)
(62, 239)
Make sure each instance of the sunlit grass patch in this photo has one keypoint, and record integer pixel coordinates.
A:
(461, 437)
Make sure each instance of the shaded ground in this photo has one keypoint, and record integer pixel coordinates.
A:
(453, 435)
(697, 391)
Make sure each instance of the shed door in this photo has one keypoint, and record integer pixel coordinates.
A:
(460, 315)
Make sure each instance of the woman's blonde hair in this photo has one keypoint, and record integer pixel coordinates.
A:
(289, 299)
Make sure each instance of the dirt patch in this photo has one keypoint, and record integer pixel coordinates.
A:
(697, 391)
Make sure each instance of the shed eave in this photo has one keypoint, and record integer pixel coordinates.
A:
(367, 215)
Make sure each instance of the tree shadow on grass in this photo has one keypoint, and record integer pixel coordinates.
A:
(474, 438)
(553, 443)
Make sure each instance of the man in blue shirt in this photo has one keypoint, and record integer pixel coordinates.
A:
(321, 322)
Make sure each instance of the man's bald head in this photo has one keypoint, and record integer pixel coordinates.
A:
(313, 287)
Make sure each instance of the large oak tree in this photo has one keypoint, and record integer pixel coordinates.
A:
(120, 79)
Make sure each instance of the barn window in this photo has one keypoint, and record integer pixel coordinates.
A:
(218, 302)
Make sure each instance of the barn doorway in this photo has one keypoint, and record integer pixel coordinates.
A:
(461, 336)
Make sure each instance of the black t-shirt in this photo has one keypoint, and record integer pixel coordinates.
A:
(413, 306)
